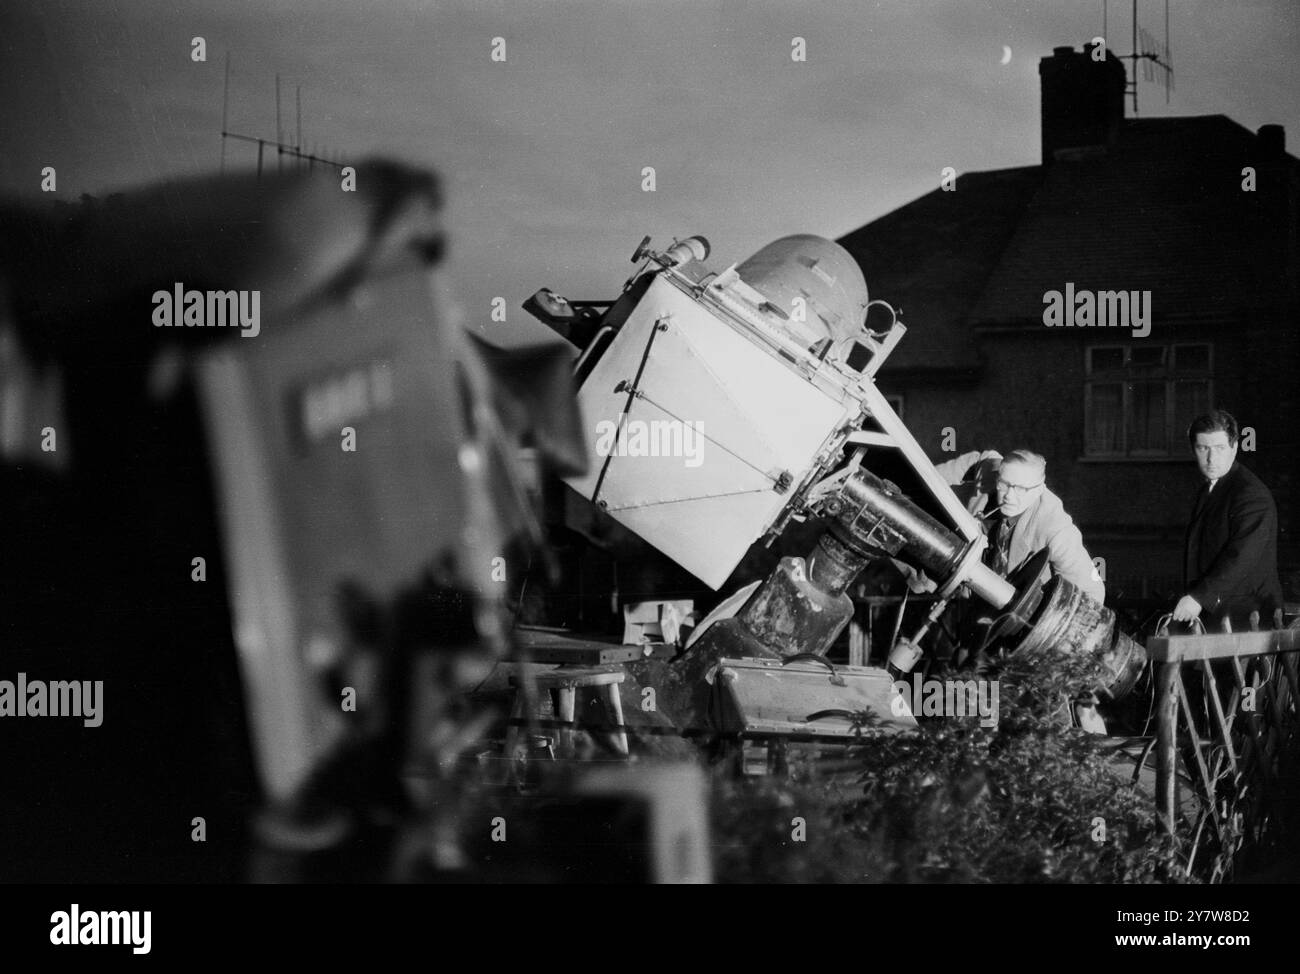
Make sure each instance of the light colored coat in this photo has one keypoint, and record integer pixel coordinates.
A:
(1047, 525)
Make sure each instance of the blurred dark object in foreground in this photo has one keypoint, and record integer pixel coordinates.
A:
(345, 470)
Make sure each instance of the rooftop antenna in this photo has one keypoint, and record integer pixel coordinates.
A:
(225, 113)
(282, 148)
(1152, 55)
(279, 131)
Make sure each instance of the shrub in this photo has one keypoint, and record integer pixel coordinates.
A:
(1029, 800)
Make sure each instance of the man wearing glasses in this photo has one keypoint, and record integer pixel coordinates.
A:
(1030, 517)
(1230, 556)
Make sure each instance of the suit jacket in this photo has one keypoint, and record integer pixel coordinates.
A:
(1230, 554)
(1047, 525)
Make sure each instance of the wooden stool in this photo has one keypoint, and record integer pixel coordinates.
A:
(563, 682)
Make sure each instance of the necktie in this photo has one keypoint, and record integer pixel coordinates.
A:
(1001, 546)
(1202, 496)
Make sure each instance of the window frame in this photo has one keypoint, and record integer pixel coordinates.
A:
(1126, 377)
(896, 403)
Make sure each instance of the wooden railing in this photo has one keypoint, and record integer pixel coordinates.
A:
(1232, 729)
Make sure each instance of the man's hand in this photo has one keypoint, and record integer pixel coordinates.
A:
(1187, 609)
(918, 582)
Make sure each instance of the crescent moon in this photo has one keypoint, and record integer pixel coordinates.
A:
(1006, 54)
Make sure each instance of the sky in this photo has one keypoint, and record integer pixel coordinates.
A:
(542, 153)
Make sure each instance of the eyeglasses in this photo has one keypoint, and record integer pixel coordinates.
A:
(1017, 488)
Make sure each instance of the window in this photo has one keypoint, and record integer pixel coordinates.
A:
(1140, 399)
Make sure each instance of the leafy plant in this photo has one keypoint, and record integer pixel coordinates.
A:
(1029, 800)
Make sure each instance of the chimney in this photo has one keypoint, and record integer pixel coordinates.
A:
(1270, 143)
(1082, 101)
(1279, 197)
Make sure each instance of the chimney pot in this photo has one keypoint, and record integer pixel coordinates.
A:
(1271, 140)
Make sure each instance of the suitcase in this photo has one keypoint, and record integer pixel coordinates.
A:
(806, 698)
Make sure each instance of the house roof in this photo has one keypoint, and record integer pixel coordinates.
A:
(1162, 209)
(932, 258)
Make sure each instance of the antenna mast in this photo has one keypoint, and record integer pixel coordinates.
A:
(281, 147)
(1151, 55)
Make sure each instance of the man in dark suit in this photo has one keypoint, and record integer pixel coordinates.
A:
(1230, 558)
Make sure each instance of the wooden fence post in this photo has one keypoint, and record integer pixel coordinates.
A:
(1166, 742)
